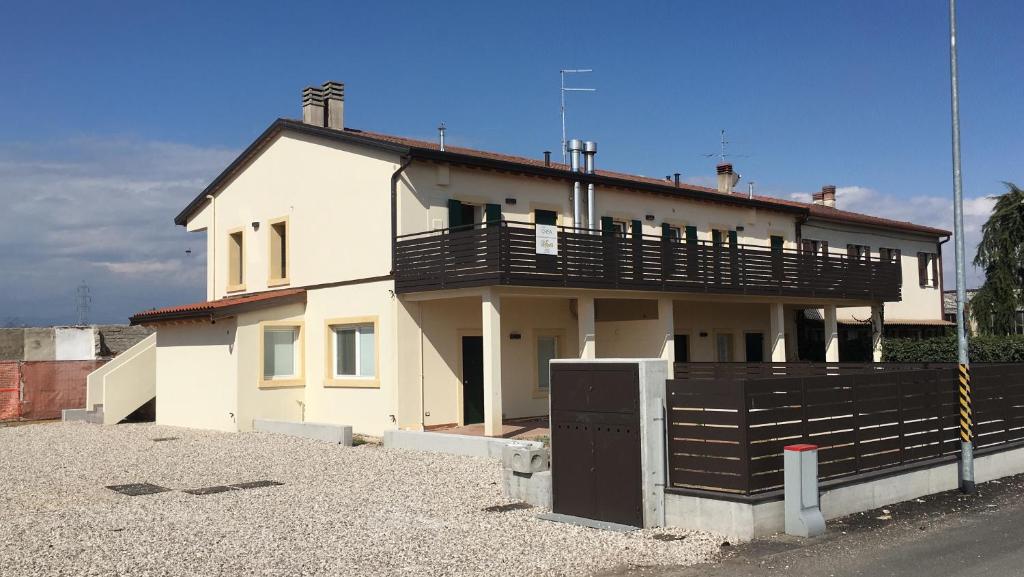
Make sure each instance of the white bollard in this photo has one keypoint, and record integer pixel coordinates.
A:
(803, 515)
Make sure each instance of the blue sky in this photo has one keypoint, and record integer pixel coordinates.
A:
(115, 114)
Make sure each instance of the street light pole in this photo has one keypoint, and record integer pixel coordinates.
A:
(966, 413)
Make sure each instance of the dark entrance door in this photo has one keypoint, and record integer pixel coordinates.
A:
(681, 344)
(595, 442)
(755, 347)
(472, 380)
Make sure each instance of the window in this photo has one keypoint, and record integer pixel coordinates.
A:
(355, 351)
(612, 227)
(547, 349)
(282, 354)
(352, 352)
(777, 242)
(279, 251)
(889, 255)
(670, 232)
(928, 269)
(858, 252)
(465, 216)
(809, 246)
(723, 347)
(236, 261)
(720, 236)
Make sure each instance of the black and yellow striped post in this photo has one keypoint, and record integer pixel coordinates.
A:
(966, 415)
(966, 431)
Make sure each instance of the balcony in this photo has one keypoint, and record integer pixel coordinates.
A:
(505, 253)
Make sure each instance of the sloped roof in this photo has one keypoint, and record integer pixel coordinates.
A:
(428, 150)
(224, 307)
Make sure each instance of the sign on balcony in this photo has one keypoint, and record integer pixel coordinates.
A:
(547, 239)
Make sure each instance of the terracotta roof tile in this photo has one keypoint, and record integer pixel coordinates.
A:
(222, 306)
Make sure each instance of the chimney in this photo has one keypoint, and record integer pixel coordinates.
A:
(727, 179)
(589, 150)
(313, 106)
(440, 135)
(677, 179)
(547, 158)
(334, 103)
(827, 196)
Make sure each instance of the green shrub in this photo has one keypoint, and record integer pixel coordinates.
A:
(981, 349)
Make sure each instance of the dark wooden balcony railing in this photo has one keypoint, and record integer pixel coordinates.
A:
(504, 253)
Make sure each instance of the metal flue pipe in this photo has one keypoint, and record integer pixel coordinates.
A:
(575, 147)
(589, 150)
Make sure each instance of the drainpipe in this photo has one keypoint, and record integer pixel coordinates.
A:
(406, 161)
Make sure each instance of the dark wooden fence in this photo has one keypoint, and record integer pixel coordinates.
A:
(728, 425)
(504, 252)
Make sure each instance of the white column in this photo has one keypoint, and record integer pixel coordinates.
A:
(778, 332)
(492, 364)
(667, 327)
(585, 325)
(877, 329)
(831, 335)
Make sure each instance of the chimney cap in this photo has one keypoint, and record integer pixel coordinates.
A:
(724, 168)
(590, 146)
(574, 144)
(312, 94)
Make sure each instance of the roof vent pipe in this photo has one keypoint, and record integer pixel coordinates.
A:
(575, 146)
(677, 179)
(547, 158)
(750, 189)
(589, 150)
(440, 135)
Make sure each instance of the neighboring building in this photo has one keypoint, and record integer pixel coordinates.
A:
(385, 282)
(68, 343)
(949, 312)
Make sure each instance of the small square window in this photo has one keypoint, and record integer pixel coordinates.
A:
(280, 352)
(355, 351)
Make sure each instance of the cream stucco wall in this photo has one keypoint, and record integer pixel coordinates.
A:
(368, 409)
(918, 303)
(336, 197)
(196, 376)
(268, 401)
(423, 204)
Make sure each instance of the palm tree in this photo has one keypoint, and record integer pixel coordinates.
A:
(1001, 255)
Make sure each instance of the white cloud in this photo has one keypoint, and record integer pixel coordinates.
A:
(936, 211)
(99, 210)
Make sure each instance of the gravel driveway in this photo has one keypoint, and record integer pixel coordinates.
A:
(340, 511)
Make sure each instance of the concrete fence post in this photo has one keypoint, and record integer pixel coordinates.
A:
(803, 514)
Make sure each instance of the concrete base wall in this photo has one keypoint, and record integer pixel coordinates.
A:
(472, 446)
(744, 521)
(340, 434)
(532, 488)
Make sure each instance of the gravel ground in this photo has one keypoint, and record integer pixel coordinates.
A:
(341, 511)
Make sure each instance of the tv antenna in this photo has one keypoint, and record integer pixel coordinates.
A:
(721, 154)
(562, 73)
(83, 300)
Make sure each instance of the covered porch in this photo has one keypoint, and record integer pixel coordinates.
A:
(482, 353)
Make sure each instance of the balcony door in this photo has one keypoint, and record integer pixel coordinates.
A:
(472, 380)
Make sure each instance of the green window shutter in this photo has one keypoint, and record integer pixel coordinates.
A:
(732, 239)
(636, 228)
(545, 217)
(607, 226)
(716, 237)
(493, 212)
(691, 234)
(777, 243)
(454, 213)
(666, 230)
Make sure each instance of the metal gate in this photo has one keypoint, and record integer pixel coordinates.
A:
(595, 442)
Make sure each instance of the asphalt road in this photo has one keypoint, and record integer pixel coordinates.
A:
(947, 535)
